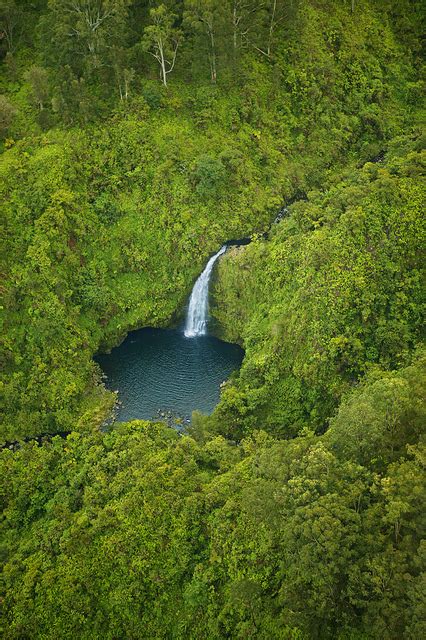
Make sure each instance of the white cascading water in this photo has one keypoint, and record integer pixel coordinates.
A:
(196, 319)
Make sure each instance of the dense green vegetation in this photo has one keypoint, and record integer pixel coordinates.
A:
(108, 224)
(137, 137)
(141, 533)
(336, 289)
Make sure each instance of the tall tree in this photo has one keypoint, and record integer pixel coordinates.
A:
(124, 73)
(83, 32)
(274, 14)
(242, 14)
(7, 113)
(38, 78)
(202, 15)
(10, 16)
(161, 39)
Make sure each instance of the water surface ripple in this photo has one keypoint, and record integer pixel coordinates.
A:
(160, 369)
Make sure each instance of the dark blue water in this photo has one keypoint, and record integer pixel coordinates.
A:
(159, 369)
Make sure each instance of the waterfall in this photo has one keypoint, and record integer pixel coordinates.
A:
(196, 319)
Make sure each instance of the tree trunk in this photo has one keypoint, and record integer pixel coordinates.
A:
(163, 64)
(272, 27)
(213, 58)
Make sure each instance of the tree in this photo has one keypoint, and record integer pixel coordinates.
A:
(124, 79)
(123, 73)
(72, 101)
(202, 15)
(161, 39)
(10, 16)
(84, 31)
(274, 15)
(38, 78)
(209, 174)
(7, 112)
(242, 20)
